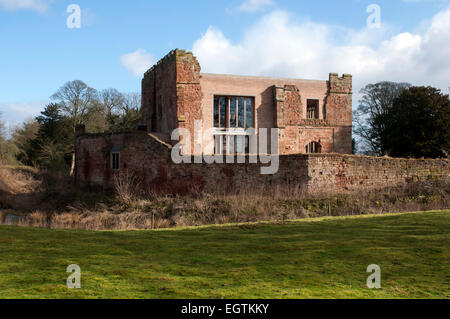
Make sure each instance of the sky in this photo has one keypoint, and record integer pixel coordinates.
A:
(118, 40)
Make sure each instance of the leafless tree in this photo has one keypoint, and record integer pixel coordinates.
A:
(75, 98)
(131, 101)
(112, 100)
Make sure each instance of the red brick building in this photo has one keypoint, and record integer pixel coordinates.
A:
(312, 116)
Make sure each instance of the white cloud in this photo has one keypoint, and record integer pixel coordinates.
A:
(137, 62)
(15, 113)
(36, 5)
(278, 46)
(255, 5)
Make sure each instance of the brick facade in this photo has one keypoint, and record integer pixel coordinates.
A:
(175, 94)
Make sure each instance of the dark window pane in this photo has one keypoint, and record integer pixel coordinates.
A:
(233, 121)
(312, 109)
(241, 113)
(115, 161)
(249, 113)
(247, 144)
(223, 113)
(216, 112)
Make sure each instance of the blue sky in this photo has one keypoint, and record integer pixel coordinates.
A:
(305, 39)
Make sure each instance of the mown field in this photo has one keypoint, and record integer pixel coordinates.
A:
(311, 258)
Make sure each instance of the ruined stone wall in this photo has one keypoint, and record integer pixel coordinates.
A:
(189, 93)
(333, 173)
(149, 159)
(339, 100)
(141, 155)
(312, 174)
(171, 94)
(159, 96)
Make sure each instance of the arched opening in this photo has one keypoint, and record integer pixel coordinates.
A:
(313, 148)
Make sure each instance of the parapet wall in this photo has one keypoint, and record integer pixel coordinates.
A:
(149, 159)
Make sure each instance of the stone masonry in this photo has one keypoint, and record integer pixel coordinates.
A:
(148, 159)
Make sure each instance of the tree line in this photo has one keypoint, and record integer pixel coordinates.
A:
(48, 140)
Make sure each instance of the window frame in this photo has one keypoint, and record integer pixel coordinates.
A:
(313, 147)
(228, 113)
(113, 167)
(316, 109)
(237, 137)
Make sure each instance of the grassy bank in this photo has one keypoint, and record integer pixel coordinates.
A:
(312, 258)
(36, 198)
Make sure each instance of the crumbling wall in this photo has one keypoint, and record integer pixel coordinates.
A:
(171, 94)
(332, 130)
(339, 100)
(159, 96)
(149, 159)
(333, 173)
(142, 156)
(189, 92)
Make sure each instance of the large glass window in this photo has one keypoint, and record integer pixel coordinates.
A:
(231, 144)
(233, 112)
(241, 113)
(249, 113)
(216, 112)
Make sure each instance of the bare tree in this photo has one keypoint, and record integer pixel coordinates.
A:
(75, 98)
(131, 101)
(112, 100)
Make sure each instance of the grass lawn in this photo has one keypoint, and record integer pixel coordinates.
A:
(321, 258)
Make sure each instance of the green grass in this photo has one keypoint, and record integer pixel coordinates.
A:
(321, 258)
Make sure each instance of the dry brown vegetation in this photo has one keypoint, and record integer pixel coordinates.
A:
(41, 199)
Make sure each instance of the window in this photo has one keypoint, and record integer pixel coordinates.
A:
(115, 161)
(312, 109)
(313, 148)
(233, 112)
(231, 144)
